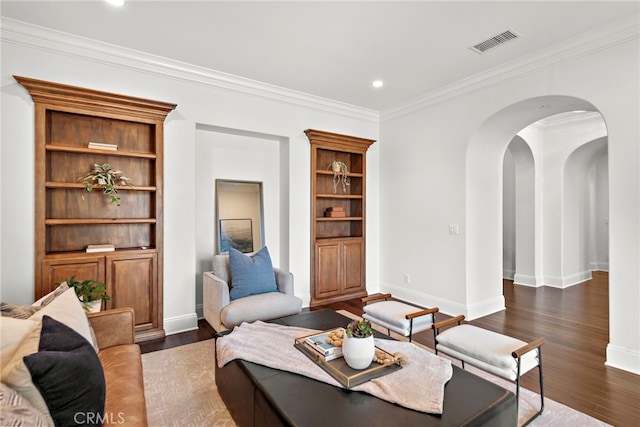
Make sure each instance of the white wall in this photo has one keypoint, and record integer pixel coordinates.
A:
(432, 176)
(509, 194)
(203, 97)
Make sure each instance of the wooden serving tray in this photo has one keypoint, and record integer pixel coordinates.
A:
(342, 372)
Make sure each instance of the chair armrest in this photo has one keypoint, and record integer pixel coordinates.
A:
(422, 313)
(527, 348)
(284, 281)
(448, 322)
(215, 296)
(113, 327)
(365, 300)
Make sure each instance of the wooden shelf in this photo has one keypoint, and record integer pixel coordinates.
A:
(339, 196)
(348, 218)
(50, 184)
(88, 221)
(82, 150)
(350, 174)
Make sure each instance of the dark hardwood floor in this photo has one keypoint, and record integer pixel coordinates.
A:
(575, 325)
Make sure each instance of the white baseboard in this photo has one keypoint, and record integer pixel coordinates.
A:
(623, 358)
(486, 307)
(508, 274)
(448, 307)
(599, 266)
(402, 293)
(177, 324)
(526, 280)
(567, 281)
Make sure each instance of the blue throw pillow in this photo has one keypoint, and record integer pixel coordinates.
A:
(67, 372)
(251, 275)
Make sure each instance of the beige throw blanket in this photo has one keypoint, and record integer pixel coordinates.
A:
(419, 385)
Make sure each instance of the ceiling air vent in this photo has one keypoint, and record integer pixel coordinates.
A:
(495, 41)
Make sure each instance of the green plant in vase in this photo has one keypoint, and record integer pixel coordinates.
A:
(89, 292)
(106, 177)
(358, 348)
(359, 329)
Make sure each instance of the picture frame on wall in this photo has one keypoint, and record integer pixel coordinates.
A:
(237, 234)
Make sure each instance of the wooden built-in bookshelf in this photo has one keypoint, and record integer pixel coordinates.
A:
(337, 243)
(68, 218)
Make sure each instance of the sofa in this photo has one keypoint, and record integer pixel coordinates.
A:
(122, 364)
(62, 366)
(224, 312)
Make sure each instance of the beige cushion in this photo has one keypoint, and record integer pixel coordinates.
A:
(392, 315)
(16, 411)
(486, 350)
(12, 333)
(66, 309)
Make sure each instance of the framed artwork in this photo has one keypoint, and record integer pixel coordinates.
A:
(237, 234)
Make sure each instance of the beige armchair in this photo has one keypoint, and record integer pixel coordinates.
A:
(223, 314)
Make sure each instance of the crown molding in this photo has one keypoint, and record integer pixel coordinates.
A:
(58, 42)
(619, 32)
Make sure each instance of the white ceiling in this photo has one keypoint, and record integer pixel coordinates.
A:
(330, 49)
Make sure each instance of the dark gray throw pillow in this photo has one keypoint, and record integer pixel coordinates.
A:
(67, 372)
(251, 275)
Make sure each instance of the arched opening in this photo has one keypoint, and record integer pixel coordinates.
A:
(484, 192)
(563, 186)
(519, 207)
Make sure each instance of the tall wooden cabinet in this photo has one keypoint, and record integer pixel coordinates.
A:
(68, 218)
(337, 217)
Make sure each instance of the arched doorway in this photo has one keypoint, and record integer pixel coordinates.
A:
(484, 216)
(565, 188)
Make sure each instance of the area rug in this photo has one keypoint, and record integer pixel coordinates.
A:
(554, 415)
(180, 390)
(180, 387)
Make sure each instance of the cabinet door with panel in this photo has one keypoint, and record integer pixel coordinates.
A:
(353, 266)
(339, 268)
(328, 274)
(130, 279)
(58, 269)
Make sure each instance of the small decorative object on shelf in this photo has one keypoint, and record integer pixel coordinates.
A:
(102, 146)
(335, 212)
(358, 347)
(105, 176)
(89, 292)
(107, 247)
(340, 175)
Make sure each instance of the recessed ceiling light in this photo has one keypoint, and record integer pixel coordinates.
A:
(377, 83)
(116, 2)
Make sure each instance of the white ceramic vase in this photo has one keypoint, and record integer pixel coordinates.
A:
(93, 306)
(358, 352)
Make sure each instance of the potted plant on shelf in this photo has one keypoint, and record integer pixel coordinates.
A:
(106, 177)
(358, 347)
(90, 293)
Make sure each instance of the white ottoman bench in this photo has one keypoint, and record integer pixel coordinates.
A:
(397, 316)
(501, 355)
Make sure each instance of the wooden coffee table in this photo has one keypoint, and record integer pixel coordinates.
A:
(260, 396)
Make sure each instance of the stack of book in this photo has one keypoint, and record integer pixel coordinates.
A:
(103, 146)
(335, 212)
(108, 247)
(319, 345)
